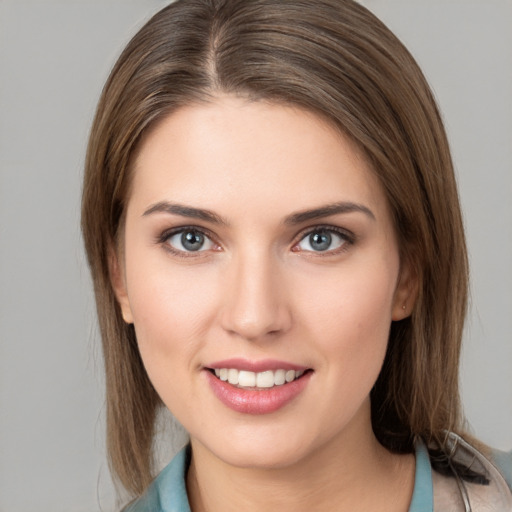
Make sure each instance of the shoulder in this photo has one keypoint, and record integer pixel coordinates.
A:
(466, 478)
(168, 492)
(503, 462)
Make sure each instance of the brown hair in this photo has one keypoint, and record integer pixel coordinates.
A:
(331, 57)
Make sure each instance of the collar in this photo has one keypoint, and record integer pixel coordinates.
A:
(422, 495)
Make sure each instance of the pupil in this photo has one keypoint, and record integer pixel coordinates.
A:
(192, 241)
(320, 241)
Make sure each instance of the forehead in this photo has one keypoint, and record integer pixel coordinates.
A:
(232, 150)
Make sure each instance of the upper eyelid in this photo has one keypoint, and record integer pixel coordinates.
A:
(325, 227)
(167, 233)
(303, 232)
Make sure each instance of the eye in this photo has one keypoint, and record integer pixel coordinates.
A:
(189, 240)
(322, 240)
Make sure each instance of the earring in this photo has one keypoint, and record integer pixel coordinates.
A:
(403, 307)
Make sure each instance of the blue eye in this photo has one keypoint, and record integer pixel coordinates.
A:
(189, 240)
(322, 240)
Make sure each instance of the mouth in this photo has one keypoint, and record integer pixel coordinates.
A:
(257, 387)
(264, 380)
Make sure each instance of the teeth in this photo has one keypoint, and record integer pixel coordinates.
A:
(266, 379)
(233, 376)
(246, 379)
(279, 377)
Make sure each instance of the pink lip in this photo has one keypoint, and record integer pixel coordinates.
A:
(256, 366)
(251, 401)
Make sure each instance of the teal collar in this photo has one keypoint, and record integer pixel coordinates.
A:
(422, 496)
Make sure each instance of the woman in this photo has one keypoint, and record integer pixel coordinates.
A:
(273, 229)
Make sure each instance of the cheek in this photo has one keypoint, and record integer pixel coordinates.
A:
(350, 317)
(170, 319)
(172, 306)
(356, 319)
(350, 301)
(170, 310)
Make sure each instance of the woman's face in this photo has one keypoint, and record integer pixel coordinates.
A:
(259, 248)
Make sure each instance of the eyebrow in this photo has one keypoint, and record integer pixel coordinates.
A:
(185, 211)
(290, 220)
(326, 211)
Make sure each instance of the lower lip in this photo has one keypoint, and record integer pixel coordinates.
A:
(256, 401)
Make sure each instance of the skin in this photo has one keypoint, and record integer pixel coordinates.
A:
(257, 290)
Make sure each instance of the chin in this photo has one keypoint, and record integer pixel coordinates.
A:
(262, 457)
(267, 448)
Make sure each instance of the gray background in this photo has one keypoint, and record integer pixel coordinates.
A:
(54, 57)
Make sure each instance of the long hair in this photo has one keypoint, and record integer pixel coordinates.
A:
(335, 59)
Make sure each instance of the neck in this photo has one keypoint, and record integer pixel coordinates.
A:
(353, 472)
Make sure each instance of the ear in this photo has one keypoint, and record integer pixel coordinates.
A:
(118, 281)
(406, 292)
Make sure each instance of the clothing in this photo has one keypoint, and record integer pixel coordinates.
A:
(168, 492)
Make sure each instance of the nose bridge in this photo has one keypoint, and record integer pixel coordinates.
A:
(255, 304)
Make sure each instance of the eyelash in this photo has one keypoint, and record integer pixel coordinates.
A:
(347, 237)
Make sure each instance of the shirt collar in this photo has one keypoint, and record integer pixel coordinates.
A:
(422, 496)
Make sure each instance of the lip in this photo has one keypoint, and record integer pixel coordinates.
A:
(256, 401)
(255, 366)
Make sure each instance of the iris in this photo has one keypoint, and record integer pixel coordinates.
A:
(192, 240)
(320, 240)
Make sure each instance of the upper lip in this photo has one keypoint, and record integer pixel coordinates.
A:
(255, 366)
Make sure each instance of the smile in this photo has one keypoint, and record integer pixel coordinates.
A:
(260, 387)
(257, 380)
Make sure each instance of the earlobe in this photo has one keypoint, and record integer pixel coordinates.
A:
(405, 293)
(119, 286)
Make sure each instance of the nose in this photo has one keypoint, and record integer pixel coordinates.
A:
(255, 305)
